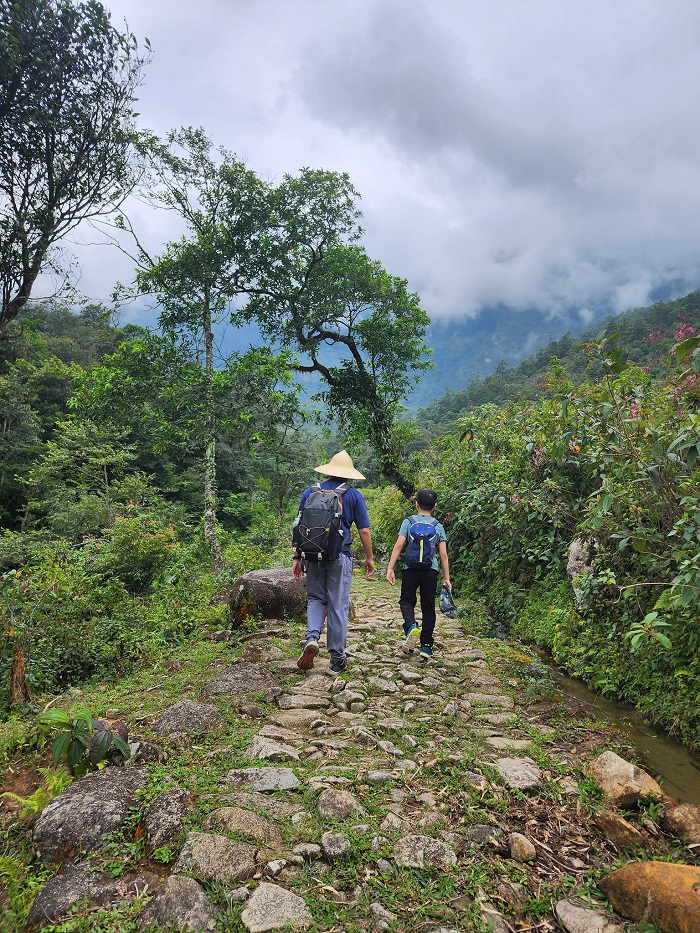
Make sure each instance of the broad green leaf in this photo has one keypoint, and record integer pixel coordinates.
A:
(662, 639)
(100, 745)
(60, 743)
(54, 717)
(75, 754)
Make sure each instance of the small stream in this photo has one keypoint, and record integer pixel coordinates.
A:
(664, 758)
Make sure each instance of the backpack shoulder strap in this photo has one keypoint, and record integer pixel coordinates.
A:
(433, 521)
(341, 490)
(412, 519)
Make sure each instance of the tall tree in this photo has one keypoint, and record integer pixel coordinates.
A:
(243, 237)
(67, 84)
(363, 332)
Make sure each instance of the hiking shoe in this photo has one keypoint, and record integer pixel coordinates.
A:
(306, 661)
(337, 667)
(426, 652)
(410, 641)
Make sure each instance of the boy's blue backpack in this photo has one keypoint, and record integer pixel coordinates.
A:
(421, 544)
(318, 531)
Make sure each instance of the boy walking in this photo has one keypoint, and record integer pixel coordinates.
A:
(426, 551)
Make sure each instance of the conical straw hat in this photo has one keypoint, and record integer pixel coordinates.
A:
(340, 465)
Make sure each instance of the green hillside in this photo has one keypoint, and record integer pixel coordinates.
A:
(645, 334)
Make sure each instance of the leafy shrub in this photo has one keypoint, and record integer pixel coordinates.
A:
(618, 463)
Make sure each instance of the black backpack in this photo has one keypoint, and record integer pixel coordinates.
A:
(317, 531)
(422, 542)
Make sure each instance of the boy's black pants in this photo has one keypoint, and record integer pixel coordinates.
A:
(413, 581)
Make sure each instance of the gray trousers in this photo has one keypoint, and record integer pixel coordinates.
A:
(328, 590)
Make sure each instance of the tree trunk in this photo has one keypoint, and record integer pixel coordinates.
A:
(211, 532)
(19, 689)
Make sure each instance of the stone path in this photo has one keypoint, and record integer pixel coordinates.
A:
(402, 795)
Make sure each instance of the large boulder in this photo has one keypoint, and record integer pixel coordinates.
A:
(274, 908)
(657, 892)
(87, 811)
(82, 883)
(180, 903)
(273, 594)
(622, 782)
(683, 821)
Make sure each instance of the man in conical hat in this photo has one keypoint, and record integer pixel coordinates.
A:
(328, 581)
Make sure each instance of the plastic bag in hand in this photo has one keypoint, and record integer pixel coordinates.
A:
(447, 604)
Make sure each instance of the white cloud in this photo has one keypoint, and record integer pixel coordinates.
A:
(538, 154)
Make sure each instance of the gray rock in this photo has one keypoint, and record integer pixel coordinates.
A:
(246, 823)
(683, 821)
(238, 895)
(263, 779)
(490, 699)
(275, 868)
(422, 851)
(87, 811)
(390, 749)
(223, 634)
(408, 676)
(77, 883)
(187, 716)
(385, 867)
(314, 683)
(519, 773)
(383, 685)
(307, 850)
(280, 809)
(394, 823)
(622, 782)
(482, 833)
(577, 919)
(302, 701)
(381, 913)
(278, 734)
(242, 679)
(274, 594)
(164, 820)
(181, 903)
(338, 804)
(216, 858)
(521, 849)
(393, 724)
(432, 819)
(475, 779)
(490, 917)
(272, 907)
(144, 752)
(380, 777)
(515, 895)
(580, 560)
(298, 719)
(503, 743)
(262, 747)
(335, 846)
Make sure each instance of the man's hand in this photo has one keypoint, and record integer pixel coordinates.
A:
(390, 575)
(369, 566)
(297, 569)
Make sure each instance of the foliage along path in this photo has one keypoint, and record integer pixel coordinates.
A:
(401, 795)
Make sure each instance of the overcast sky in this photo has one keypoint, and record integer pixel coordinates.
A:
(530, 153)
